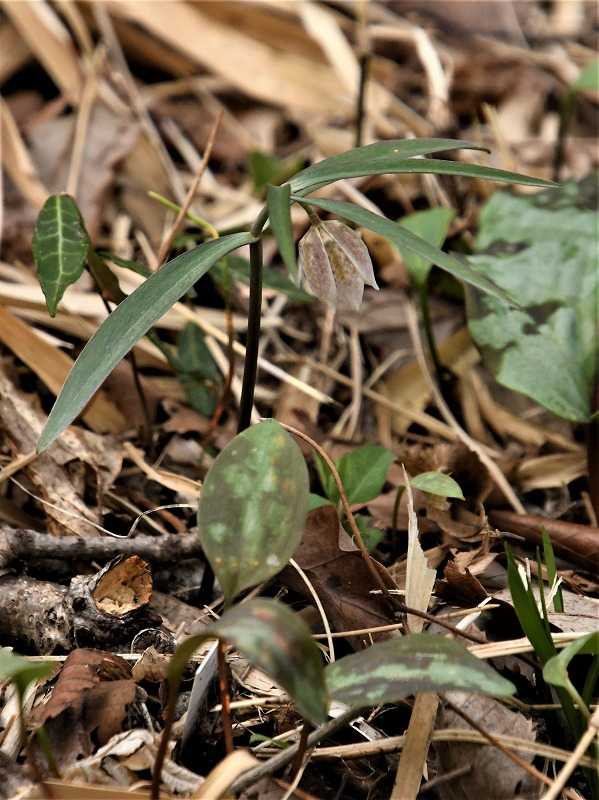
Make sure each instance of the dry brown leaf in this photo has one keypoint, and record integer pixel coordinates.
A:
(124, 588)
(492, 774)
(340, 576)
(551, 471)
(59, 475)
(17, 160)
(14, 49)
(420, 578)
(52, 366)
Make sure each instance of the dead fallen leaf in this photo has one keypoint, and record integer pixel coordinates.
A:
(124, 588)
(340, 576)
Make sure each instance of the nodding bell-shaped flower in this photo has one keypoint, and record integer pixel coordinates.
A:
(335, 264)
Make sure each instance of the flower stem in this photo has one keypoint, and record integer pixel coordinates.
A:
(428, 330)
(250, 367)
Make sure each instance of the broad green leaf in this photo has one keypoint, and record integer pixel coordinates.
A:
(371, 159)
(197, 370)
(275, 640)
(418, 662)
(271, 279)
(363, 472)
(541, 249)
(555, 670)
(279, 213)
(432, 226)
(278, 642)
(588, 79)
(437, 483)
(127, 324)
(397, 156)
(60, 245)
(253, 507)
(527, 612)
(404, 239)
(316, 501)
(21, 672)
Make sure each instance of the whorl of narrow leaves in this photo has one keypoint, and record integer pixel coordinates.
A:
(419, 662)
(60, 245)
(253, 507)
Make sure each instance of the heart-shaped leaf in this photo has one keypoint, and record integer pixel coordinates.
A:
(280, 222)
(437, 483)
(253, 507)
(548, 349)
(131, 320)
(275, 640)
(419, 662)
(60, 245)
(405, 239)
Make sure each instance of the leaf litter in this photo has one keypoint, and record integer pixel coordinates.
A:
(136, 116)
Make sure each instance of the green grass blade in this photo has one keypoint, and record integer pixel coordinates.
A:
(277, 199)
(549, 557)
(131, 320)
(404, 238)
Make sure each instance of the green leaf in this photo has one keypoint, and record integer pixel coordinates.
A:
(528, 612)
(555, 670)
(437, 483)
(432, 226)
(405, 239)
(253, 507)
(277, 641)
(279, 212)
(193, 354)
(541, 249)
(264, 169)
(127, 324)
(588, 79)
(549, 558)
(363, 472)
(316, 501)
(397, 156)
(371, 536)
(418, 662)
(126, 263)
(21, 672)
(378, 158)
(60, 245)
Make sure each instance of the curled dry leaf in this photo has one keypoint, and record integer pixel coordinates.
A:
(123, 588)
(89, 703)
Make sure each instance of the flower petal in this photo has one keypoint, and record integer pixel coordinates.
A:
(315, 268)
(354, 248)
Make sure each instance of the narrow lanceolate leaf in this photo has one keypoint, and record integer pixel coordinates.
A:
(419, 662)
(131, 320)
(398, 157)
(437, 483)
(403, 238)
(279, 212)
(60, 245)
(277, 641)
(372, 159)
(253, 507)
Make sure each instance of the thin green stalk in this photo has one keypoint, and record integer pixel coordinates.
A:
(428, 330)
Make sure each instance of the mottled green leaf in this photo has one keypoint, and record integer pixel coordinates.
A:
(555, 670)
(437, 483)
(277, 641)
(21, 672)
(253, 507)
(418, 662)
(398, 156)
(279, 212)
(60, 245)
(432, 226)
(588, 79)
(131, 320)
(405, 240)
(542, 249)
